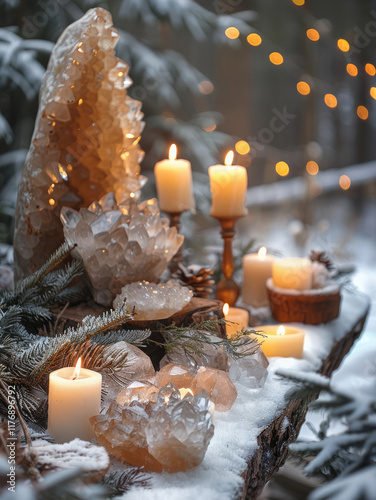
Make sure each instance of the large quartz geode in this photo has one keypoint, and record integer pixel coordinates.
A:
(172, 434)
(85, 142)
(120, 244)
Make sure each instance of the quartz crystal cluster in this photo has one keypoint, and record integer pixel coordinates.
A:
(85, 142)
(154, 301)
(120, 244)
(165, 433)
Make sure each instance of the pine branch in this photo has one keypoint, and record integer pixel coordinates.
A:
(192, 339)
(10, 298)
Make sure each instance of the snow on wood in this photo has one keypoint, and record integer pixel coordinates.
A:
(240, 452)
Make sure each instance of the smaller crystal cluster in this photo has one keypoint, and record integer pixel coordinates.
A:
(120, 244)
(171, 434)
(154, 301)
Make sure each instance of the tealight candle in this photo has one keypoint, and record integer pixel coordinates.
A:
(228, 186)
(174, 183)
(293, 273)
(257, 268)
(74, 396)
(239, 319)
(284, 341)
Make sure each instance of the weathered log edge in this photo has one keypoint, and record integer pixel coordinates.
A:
(273, 442)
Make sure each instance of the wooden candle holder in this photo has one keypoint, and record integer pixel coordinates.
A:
(227, 289)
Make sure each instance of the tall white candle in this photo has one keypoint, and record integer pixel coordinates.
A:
(257, 268)
(228, 186)
(72, 400)
(294, 273)
(174, 184)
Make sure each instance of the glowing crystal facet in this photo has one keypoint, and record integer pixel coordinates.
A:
(85, 142)
(172, 435)
(120, 244)
(219, 386)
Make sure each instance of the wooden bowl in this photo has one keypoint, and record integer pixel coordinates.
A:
(311, 307)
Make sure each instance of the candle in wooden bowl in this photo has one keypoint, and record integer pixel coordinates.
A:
(228, 186)
(74, 396)
(173, 179)
(280, 340)
(239, 319)
(257, 268)
(293, 273)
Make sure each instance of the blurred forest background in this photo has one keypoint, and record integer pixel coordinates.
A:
(289, 84)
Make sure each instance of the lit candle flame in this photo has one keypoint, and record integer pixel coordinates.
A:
(173, 152)
(262, 253)
(77, 369)
(184, 392)
(229, 158)
(281, 330)
(226, 309)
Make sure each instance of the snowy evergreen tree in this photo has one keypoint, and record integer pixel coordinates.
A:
(347, 460)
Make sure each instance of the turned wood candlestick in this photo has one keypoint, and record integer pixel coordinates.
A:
(227, 289)
(178, 257)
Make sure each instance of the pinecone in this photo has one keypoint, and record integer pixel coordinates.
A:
(198, 279)
(323, 258)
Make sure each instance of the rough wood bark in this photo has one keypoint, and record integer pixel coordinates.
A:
(273, 442)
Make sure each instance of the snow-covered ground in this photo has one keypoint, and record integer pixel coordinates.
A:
(235, 436)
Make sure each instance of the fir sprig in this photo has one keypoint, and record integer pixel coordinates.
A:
(193, 338)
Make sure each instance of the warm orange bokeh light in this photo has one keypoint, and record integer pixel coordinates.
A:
(282, 168)
(344, 182)
(343, 45)
(276, 58)
(242, 147)
(303, 88)
(312, 168)
(330, 100)
(362, 112)
(299, 2)
(370, 69)
(209, 128)
(352, 69)
(254, 39)
(206, 87)
(313, 35)
(372, 92)
(232, 33)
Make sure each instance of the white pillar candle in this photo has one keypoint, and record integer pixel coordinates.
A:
(257, 268)
(279, 340)
(293, 273)
(239, 319)
(228, 186)
(174, 184)
(72, 400)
